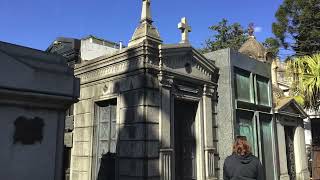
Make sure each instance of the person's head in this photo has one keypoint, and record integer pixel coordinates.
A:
(241, 146)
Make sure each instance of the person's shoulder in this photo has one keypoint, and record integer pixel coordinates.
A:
(255, 159)
(229, 158)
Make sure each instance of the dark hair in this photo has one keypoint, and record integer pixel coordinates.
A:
(241, 146)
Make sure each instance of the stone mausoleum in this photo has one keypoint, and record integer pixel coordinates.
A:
(36, 89)
(146, 111)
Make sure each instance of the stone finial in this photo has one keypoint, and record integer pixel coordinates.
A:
(146, 13)
(185, 29)
(145, 30)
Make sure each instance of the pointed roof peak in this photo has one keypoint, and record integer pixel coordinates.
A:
(145, 30)
(253, 48)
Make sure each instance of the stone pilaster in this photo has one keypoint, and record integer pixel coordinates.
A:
(166, 134)
(302, 172)
(282, 152)
(208, 132)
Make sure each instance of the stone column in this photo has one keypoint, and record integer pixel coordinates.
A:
(282, 152)
(165, 124)
(208, 132)
(302, 172)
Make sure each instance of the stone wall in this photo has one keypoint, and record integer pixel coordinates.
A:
(137, 97)
(21, 161)
(225, 108)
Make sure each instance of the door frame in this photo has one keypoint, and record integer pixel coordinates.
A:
(199, 135)
(94, 136)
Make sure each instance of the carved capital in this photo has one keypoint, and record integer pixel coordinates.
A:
(208, 90)
(165, 81)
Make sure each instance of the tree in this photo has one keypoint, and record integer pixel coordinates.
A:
(226, 36)
(233, 36)
(305, 72)
(272, 45)
(298, 26)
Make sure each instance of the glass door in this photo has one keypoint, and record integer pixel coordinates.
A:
(266, 153)
(247, 127)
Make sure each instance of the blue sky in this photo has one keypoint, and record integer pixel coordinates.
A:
(36, 23)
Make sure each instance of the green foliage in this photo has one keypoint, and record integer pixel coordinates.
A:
(300, 100)
(233, 36)
(226, 36)
(306, 80)
(272, 45)
(298, 26)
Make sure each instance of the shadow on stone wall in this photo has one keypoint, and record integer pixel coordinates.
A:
(138, 146)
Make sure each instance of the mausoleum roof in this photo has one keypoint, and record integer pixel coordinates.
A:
(253, 49)
(34, 70)
(290, 106)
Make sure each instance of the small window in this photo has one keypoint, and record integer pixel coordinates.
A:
(243, 86)
(262, 87)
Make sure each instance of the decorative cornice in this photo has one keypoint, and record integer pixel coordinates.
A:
(113, 69)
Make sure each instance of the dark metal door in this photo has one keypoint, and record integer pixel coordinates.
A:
(315, 126)
(289, 134)
(106, 135)
(185, 143)
(316, 162)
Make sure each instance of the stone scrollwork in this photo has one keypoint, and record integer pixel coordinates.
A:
(165, 81)
(208, 90)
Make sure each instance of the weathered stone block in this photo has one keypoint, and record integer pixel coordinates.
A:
(131, 115)
(80, 176)
(152, 114)
(81, 163)
(152, 131)
(68, 139)
(83, 134)
(132, 132)
(140, 97)
(81, 148)
(86, 92)
(69, 123)
(132, 98)
(153, 98)
(133, 82)
(152, 149)
(84, 106)
(136, 114)
(83, 120)
(153, 167)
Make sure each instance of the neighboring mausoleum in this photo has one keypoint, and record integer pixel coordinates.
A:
(36, 89)
(245, 105)
(252, 104)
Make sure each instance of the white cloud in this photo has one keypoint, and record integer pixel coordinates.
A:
(257, 29)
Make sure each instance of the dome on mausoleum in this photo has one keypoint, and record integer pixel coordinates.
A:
(253, 49)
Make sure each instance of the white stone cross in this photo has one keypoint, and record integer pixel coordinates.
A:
(185, 29)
